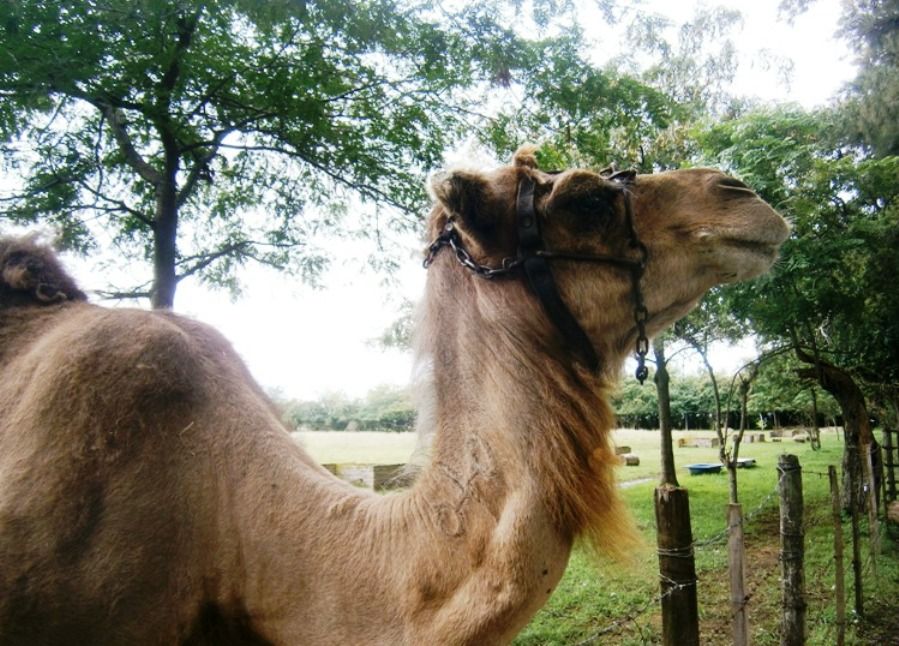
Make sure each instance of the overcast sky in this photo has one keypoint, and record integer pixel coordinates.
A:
(304, 342)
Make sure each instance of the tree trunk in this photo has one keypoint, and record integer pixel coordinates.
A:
(720, 433)
(165, 236)
(669, 473)
(738, 438)
(856, 427)
(816, 430)
(792, 551)
(677, 568)
(736, 566)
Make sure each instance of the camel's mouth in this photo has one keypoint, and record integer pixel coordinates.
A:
(752, 251)
(742, 259)
(762, 249)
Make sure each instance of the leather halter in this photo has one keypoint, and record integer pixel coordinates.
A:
(533, 258)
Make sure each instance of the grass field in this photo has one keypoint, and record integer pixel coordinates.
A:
(360, 447)
(616, 604)
(372, 447)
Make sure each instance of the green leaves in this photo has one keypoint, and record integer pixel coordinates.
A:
(585, 116)
(227, 130)
(828, 288)
(871, 112)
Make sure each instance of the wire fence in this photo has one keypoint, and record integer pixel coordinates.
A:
(819, 594)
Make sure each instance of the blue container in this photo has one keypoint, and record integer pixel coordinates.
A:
(704, 467)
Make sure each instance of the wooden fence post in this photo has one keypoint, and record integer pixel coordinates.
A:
(889, 463)
(839, 576)
(856, 550)
(849, 481)
(736, 565)
(871, 507)
(677, 570)
(791, 551)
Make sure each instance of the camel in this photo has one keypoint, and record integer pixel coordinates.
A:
(151, 495)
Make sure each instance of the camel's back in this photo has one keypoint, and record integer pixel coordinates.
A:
(89, 401)
(110, 483)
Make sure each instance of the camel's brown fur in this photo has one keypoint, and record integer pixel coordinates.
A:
(149, 493)
(30, 273)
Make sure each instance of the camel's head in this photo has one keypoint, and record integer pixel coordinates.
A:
(31, 274)
(700, 228)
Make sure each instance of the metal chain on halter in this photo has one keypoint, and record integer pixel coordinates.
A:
(641, 314)
(449, 237)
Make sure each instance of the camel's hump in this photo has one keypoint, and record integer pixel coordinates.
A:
(30, 273)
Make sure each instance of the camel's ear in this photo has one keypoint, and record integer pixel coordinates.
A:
(465, 195)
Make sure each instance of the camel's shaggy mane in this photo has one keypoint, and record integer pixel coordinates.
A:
(30, 273)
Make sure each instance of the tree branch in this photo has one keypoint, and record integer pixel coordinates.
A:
(186, 29)
(116, 120)
(244, 248)
(361, 187)
(118, 205)
(201, 162)
(204, 260)
(121, 296)
(200, 166)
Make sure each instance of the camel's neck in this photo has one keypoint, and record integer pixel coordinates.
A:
(509, 411)
(520, 464)
(520, 460)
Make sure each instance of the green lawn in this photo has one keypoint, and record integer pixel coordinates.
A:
(620, 600)
(372, 447)
(359, 447)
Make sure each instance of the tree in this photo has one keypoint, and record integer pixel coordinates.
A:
(666, 425)
(707, 323)
(583, 115)
(777, 390)
(826, 298)
(871, 27)
(203, 134)
(384, 408)
(696, 66)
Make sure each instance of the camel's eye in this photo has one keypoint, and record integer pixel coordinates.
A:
(584, 200)
(597, 204)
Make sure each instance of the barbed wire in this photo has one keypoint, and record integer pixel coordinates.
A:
(750, 593)
(720, 538)
(820, 474)
(676, 586)
(641, 610)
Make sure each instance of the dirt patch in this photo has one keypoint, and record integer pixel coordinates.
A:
(626, 484)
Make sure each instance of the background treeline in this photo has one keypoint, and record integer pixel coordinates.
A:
(385, 408)
(777, 399)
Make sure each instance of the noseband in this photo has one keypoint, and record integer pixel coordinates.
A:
(533, 258)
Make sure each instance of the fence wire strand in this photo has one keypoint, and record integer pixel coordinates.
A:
(686, 552)
(721, 537)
